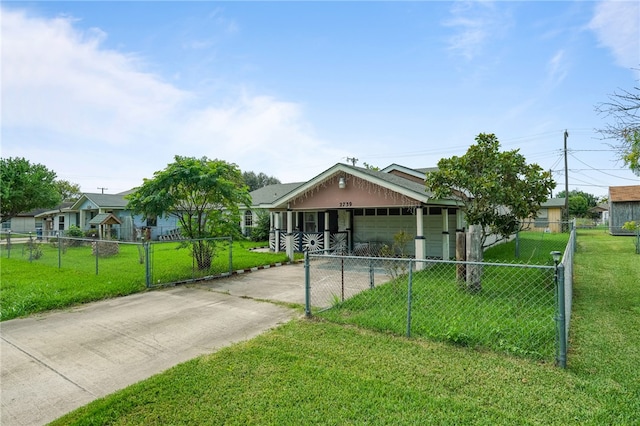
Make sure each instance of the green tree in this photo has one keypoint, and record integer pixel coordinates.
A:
(578, 206)
(204, 195)
(68, 191)
(255, 181)
(496, 189)
(25, 186)
(623, 108)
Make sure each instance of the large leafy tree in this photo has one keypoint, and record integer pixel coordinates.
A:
(25, 186)
(497, 189)
(68, 191)
(204, 195)
(255, 181)
(623, 111)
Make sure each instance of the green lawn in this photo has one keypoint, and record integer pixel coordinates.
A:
(39, 285)
(315, 372)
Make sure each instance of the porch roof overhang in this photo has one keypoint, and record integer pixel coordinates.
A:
(412, 192)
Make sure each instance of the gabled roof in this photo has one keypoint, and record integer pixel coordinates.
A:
(419, 173)
(116, 201)
(624, 193)
(405, 187)
(270, 193)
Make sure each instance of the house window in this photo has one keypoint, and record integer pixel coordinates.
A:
(310, 222)
(248, 218)
(152, 221)
(542, 220)
(6, 225)
(60, 223)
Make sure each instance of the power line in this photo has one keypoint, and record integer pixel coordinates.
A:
(598, 170)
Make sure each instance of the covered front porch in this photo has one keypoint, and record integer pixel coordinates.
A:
(358, 211)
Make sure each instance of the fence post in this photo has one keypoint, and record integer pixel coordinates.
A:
(409, 287)
(30, 247)
(517, 244)
(371, 274)
(97, 254)
(147, 264)
(230, 255)
(59, 250)
(561, 318)
(307, 285)
(9, 244)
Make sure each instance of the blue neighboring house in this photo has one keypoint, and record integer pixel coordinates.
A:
(109, 216)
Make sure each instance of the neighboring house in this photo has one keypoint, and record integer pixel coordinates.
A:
(549, 217)
(104, 212)
(624, 206)
(261, 199)
(358, 210)
(58, 219)
(24, 223)
(602, 212)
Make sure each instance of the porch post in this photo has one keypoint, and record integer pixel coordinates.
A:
(420, 241)
(327, 232)
(445, 234)
(290, 234)
(276, 220)
(349, 231)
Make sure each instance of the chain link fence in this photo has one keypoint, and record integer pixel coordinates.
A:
(149, 263)
(519, 309)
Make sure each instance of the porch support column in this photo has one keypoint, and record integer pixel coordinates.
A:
(420, 241)
(327, 232)
(445, 234)
(290, 234)
(349, 231)
(82, 219)
(276, 224)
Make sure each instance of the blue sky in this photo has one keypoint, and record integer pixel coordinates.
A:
(106, 93)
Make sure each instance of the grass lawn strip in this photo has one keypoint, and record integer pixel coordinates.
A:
(314, 372)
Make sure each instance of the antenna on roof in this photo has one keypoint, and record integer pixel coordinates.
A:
(352, 160)
(102, 189)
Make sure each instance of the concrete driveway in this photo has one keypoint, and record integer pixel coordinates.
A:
(55, 362)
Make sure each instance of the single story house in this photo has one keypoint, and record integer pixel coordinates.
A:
(109, 212)
(549, 217)
(24, 223)
(58, 219)
(624, 206)
(358, 210)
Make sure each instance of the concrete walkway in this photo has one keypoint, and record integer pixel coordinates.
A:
(55, 362)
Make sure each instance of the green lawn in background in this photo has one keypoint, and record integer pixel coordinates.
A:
(39, 285)
(315, 372)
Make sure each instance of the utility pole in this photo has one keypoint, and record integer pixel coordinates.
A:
(103, 189)
(566, 177)
(352, 160)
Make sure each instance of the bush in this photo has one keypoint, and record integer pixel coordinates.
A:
(260, 232)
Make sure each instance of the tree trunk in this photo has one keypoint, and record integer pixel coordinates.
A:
(474, 254)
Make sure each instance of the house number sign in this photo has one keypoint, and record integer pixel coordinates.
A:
(346, 204)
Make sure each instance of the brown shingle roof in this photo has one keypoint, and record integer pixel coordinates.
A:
(624, 193)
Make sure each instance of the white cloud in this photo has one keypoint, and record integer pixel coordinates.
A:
(557, 68)
(97, 117)
(476, 23)
(617, 27)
